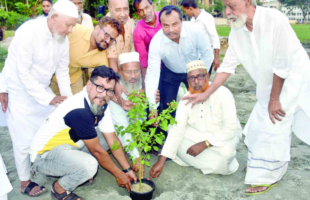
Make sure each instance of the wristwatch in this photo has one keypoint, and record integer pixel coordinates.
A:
(127, 170)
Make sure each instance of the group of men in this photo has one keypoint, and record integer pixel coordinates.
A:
(61, 128)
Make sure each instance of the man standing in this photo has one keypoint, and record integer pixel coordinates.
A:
(119, 10)
(39, 49)
(206, 136)
(56, 148)
(144, 31)
(88, 49)
(206, 22)
(263, 41)
(175, 45)
(84, 18)
(46, 6)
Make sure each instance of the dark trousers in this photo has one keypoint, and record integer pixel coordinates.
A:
(169, 86)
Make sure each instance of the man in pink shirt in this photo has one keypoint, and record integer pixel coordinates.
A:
(145, 30)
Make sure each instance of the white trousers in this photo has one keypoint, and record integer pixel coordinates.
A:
(214, 160)
(272, 151)
(5, 185)
(24, 117)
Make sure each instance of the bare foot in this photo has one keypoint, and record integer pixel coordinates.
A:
(36, 190)
(256, 189)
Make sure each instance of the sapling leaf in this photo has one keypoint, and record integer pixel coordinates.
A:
(148, 156)
(159, 141)
(155, 148)
(142, 162)
(147, 163)
(131, 157)
(134, 161)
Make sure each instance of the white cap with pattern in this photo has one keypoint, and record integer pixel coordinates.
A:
(67, 8)
(197, 64)
(128, 57)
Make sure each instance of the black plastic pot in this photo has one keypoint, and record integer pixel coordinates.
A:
(143, 196)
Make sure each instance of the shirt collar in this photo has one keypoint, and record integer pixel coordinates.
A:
(201, 14)
(87, 35)
(85, 94)
(182, 35)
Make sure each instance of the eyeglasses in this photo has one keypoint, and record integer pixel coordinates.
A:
(199, 77)
(101, 89)
(129, 72)
(107, 36)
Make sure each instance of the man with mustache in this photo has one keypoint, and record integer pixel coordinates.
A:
(144, 31)
(263, 41)
(39, 49)
(131, 79)
(119, 10)
(88, 49)
(175, 45)
(84, 18)
(206, 22)
(57, 147)
(206, 136)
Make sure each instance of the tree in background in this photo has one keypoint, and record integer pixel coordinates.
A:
(303, 5)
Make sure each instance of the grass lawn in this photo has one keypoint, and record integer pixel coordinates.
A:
(302, 31)
(1, 66)
(8, 34)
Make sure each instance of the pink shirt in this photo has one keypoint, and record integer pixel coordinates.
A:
(142, 36)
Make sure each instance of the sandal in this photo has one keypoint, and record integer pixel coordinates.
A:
(269, 186)
(30, 187)
(245, 170)
(66, 195)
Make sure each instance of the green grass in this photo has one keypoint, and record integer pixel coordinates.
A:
(302, 31)
(8, 34)
(1, 66)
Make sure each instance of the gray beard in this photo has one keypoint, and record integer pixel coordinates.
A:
(131, 87)
(96, 110)
(80, 18)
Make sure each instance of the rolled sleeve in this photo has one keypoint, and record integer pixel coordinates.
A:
(153, 72)
(62, 72)
(204, 48)
(140, 47)
(112, 51)
(229, 63)
(282, 47)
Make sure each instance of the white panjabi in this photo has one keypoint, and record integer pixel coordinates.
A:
(196, 64)
(128, 57)
(67, 8)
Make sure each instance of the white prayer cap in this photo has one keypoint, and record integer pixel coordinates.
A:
(197, 64)
(67, 8)
(128, 57)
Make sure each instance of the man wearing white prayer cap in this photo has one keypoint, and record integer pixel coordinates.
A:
(39, 49)
(206, 136)
(131, 79)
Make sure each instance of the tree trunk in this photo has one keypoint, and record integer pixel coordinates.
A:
(6, 6)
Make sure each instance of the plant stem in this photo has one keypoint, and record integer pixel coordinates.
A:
(140, 170)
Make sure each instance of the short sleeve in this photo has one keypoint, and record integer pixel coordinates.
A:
(106, 124)
(81, 122)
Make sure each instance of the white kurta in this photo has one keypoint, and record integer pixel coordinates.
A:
(2, 90)
(5, 184)
(33, 57)
(271, 48)
(120, 118)
(87, 21)
(214, 120)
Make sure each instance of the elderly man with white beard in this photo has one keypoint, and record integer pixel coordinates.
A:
(39, 49)
(131, 79)
(84, 19)
(263, 41)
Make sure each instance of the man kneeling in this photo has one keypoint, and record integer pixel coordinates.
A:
(56, 148)
(205, 136)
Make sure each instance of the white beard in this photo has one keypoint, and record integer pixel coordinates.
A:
(59, 38)
(240, 21)
(79, 19)
(131, 87)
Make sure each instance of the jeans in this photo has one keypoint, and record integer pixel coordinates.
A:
(68, 162)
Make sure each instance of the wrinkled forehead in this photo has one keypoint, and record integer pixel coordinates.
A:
(232, 2)
(118, 3)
